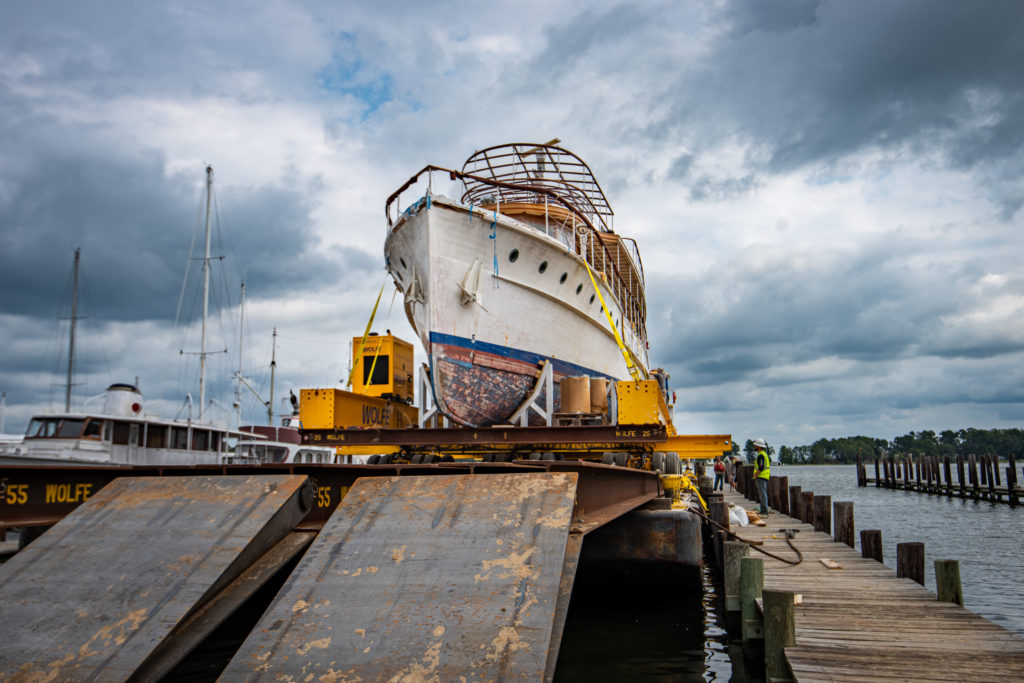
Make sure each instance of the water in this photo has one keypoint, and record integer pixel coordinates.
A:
(984, 537)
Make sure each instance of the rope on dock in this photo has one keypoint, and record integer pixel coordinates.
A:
(789, 541)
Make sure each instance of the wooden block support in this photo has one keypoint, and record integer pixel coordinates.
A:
(910, 561)
(732, 553)
(779, 631)
(843, 513)
(823, 514)
(751, 585)
(871, 544)
(947, 581)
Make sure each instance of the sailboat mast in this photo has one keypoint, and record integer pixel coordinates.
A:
(241, 346)
(273, 366)
(71, 343)
(206, 296)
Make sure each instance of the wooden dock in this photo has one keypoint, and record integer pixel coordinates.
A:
(976, 478)
(860, 622)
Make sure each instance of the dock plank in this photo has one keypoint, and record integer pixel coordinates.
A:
(862, 622)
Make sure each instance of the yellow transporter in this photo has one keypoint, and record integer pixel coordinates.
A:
(382, 382)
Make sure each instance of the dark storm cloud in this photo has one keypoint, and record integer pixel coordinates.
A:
(813, 82)
(134, 225)
(865, 306)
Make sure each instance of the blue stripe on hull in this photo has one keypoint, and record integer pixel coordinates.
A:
(561, 367)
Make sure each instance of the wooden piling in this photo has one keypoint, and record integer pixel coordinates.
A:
(871, 544)
(947, 581)
(995, 470)
(843, 513)
(807, 507)
(972, 471)
(823, 514)
(949, 475)
(906, 473)
(983, 467)
(794, 501)
(910, 561)
(779, 631)
(732, 553)
(783, 496)
(878, 477)
(751, 585)
(960, 475)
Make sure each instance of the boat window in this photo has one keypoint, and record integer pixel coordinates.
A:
(156, 436)
(513, 255)
(70, 429)
(34, 427)
(93, 429)
(543, 266)
(579, 288)
(402, 261)
(133, 434)
(108, 430)
(200, 438)
(562, 279)
(215, 439)
(120, 433)
(179, 438)
(591, 298)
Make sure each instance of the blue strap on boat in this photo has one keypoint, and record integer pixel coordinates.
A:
(428, 201)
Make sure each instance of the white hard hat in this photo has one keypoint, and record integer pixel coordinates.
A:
(759, 443)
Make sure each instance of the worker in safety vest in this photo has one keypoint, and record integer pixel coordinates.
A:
(762, 470)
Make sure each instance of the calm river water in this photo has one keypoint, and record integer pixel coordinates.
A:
(613, 641)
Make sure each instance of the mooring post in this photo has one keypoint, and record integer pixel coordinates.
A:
(917, 463)
(972, 472)
(947, 581)
(949, 475)
(910, 561)
(871, 544)
(1011, 480)
(779, 631)
(843, 513)
(705, 486)
(783, 495)
(718, 512)
(860, 471)
(794, 502)
(906, 473)
(823, 514)
(751, 585)
(807, 507)
(983, 467)
(732, 553)
(960, 475)
(878, 477)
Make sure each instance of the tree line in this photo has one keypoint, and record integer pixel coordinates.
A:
(998, 442)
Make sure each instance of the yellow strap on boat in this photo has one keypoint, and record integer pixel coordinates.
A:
(366, 333)
(634, 373)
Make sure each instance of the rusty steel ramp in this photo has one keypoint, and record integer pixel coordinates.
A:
(426, 578)
(98, 596)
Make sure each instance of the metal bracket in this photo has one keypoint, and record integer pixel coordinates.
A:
(429, 413)
(545, 381)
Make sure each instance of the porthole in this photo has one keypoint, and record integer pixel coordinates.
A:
(513, 255)
(561, 280)
(402, 261)
(542, 267)
(591, 298)
(579, 288)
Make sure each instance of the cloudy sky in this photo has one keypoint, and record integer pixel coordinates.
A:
(827, 195)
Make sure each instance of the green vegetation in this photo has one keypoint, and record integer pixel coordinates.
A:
(999, 442)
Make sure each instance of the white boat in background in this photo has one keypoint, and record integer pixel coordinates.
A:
(280, 445)
(119, 434)
(524, 268)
